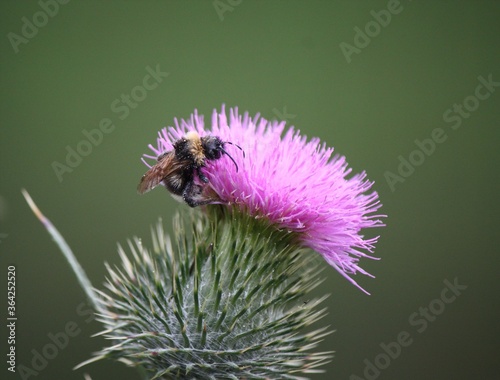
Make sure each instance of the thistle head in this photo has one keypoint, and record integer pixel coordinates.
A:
(228, 296)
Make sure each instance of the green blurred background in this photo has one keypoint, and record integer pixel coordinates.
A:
(283, 59)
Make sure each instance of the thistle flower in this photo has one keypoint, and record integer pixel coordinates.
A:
(297, 185)
(228, 296)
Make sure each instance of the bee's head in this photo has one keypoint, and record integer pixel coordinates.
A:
(213, 148)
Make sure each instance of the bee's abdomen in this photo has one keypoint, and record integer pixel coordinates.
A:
(176, 183)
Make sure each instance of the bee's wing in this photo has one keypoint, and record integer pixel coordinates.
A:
(163, 168)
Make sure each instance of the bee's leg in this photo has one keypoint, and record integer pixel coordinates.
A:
(194, 195)
(201, 175)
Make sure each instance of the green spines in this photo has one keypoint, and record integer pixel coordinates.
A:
(227, 302)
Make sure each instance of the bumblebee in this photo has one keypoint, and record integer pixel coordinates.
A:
(176, 169)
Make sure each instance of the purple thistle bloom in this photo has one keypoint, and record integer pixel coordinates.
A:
(296, 184)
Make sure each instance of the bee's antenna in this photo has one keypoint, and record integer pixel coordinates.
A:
(237, 146)
(234, 162)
